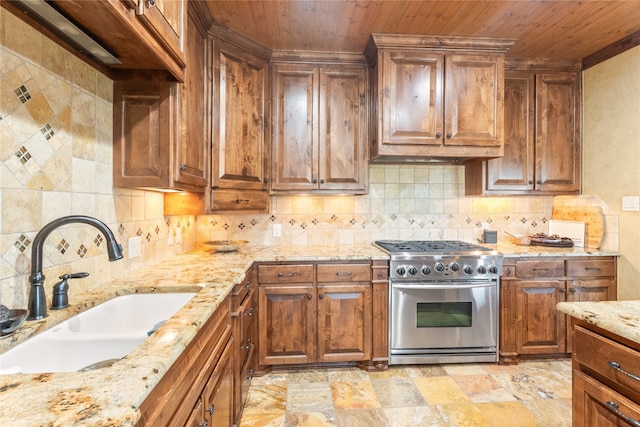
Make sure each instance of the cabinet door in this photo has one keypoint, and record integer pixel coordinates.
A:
(589, 290)
(412, 98)
(217, 395)
(192, 151)
(295, 145)
(165, 19)
(514, 171)
(239, 124)
(344, 322)
(541, 329)
(473, 98)
(558, 153)
(287, 324)
(144, 132)
(343, 129)
(596, 405)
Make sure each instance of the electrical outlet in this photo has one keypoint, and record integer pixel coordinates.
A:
(170, 238)
(485, 225)
(178, 236)
(277, 230)
(134, 246)
(631, 203)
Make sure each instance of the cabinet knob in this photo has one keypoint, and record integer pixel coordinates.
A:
(150, 3)
(507, 272)
(449, 135)
(211, 409)
(266, 180)
(539, 182)
(530, 182)
(205, 423)
(315, 180)
(321, 296)
(438, 135)
(562, 290)
(309, 296)
(322, 181)
(183, 167)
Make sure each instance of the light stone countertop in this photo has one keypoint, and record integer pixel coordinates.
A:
(511, 250)
(112, 396)
(619, 317)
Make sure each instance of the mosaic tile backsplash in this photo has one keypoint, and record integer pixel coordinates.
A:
(56, 134)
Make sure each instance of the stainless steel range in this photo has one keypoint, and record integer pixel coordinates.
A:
(443, 302)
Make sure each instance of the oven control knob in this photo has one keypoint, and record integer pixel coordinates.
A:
(439, 267)
(467, 269)
(482, 269)
(425, 270)
(493, 269)
(412, 271)
(401, 271)
(454, 266)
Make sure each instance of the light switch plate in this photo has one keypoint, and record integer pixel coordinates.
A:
(277, 230)
(134, 246)
(631, 203)
(178, 239)
(170, 238)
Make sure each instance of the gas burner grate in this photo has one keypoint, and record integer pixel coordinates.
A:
(434, 246)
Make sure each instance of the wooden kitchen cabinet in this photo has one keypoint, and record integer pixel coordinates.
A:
(433, 100)
(319, 135)
(202, 376)
(530, 291)
(244, 314)
(315, 313)
(605, 378)
(241, 120)
(161, 128)
(542, 150)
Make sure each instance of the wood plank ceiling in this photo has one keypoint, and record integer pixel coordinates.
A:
(553, 29)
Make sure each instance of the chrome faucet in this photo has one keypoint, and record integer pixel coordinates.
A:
(37, 301)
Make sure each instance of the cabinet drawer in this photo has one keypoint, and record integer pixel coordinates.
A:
(611, 362)
(596, 405)
(236, 200)
(344, 273)
(299, 273)
(591, 268)
(548, 268)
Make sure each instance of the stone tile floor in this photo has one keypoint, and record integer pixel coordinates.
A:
(531, 394)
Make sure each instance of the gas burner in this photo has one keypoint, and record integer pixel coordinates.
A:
(433, 246)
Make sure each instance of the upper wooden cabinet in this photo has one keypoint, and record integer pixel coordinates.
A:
(141, 34)
(542, 134)
(162, 128)
(319, 124)
(240, 123)
(436, 98)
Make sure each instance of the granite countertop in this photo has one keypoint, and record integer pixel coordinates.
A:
(511, 250)
(619, 317)
(111, 396)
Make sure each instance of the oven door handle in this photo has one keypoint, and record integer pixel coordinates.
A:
(461, 285)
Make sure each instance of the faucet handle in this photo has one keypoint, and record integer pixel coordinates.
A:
(60, 298)
(73, 276)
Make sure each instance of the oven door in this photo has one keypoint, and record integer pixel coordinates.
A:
(444, 317)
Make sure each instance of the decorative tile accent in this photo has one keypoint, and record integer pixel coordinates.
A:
(23, 94)
(523, 220)
(23, 155)
(225, 226)
(272, 218)
(139, 232)
(157, 230)
(82, 251)
(303, 226)
(241, 226)
(47, 131)
(121, 229)
(148, 237)
(22, 243)
(253, 222)
(213, 222)
(98, 240)
(292, 221)
(63, 246)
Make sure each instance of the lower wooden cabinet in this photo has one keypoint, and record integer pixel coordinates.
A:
(605, 379)
(316, 313)
(530, 290)
(199, 385)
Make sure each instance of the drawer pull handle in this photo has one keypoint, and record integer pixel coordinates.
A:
(343, 273)
(287, 274)
(592, 268)
(613, 407)
(540, 269)
(616, 366)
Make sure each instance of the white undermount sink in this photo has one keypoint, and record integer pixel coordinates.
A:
(110, 330)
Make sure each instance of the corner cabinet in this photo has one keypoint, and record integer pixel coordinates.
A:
(436, 97)
(161, 128)
(531, 288)
(542, 150)
(318, 313)
(319, 135)
(240, 123)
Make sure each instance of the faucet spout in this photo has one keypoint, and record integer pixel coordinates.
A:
(37, 300)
